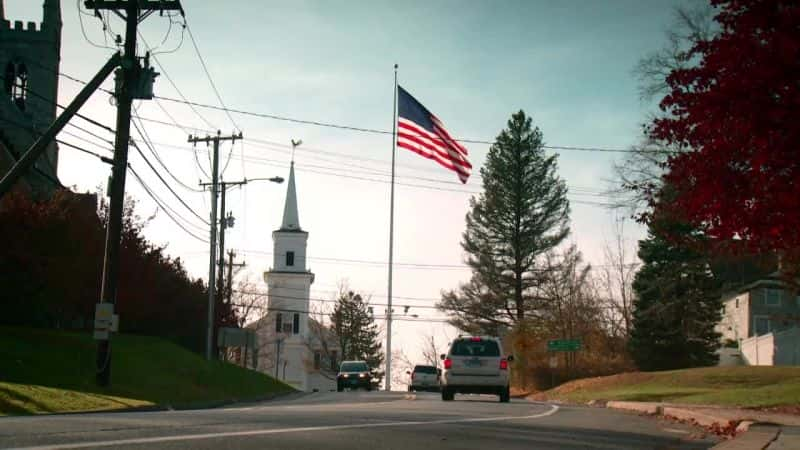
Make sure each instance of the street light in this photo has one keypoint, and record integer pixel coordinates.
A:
(273, 179)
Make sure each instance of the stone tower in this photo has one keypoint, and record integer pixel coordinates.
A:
(289, 284)
(29, 65)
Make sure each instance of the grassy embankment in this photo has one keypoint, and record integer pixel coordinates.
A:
(755, 386)
(45, 371)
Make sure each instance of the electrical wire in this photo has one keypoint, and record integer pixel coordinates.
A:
(329, 314)
(175, 86)
(208, 76)
(149, 144)
(184, 100)
(168, 211)
(163, 181)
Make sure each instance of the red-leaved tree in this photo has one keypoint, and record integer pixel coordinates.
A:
(737, 111)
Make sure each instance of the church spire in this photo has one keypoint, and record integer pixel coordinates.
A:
(291, 220)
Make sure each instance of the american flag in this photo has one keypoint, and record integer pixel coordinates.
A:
(423, 133)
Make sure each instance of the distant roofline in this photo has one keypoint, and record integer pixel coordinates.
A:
(772, 279)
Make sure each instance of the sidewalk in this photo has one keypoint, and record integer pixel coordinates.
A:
(752, 429)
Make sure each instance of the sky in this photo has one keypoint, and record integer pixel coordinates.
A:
(568, 64)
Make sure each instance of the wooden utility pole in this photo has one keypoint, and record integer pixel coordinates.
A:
(136, 83)
(210, 345)
(231, 265)
(225, 222)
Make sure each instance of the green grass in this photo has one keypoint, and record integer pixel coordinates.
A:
(728, 386)
(53, 371)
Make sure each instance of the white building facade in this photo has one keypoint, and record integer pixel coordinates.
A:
(288, 343)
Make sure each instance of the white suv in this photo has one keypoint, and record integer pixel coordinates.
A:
(475, 365)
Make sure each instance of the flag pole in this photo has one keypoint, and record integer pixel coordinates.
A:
(389, 310)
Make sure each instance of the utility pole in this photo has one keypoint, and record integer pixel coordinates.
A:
(135, 83)
(210, 353)
(231, 265)
(224, 223)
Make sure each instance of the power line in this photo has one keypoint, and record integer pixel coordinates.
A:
(387, 132)
(149, 144)
(323, 300)
(326, 170)
(175, 194)
(184, 129)
(372, 171)
(208, 76)
(40, 172)
(163, 206)
(372, 262)
(228, 110)
(175, 86)
(328, 314)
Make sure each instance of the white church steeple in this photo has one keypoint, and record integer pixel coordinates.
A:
(291, 219)
(289, 287)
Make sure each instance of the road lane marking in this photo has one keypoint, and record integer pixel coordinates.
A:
(675, 430)
(193, 437)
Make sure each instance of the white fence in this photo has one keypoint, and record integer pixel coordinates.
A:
(773, 349)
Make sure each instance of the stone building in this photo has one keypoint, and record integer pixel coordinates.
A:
(29, 65)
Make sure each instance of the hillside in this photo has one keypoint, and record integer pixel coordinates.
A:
(53, 371)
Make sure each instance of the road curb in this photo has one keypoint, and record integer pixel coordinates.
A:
(741, 433)
(648, 408)
(758, 436)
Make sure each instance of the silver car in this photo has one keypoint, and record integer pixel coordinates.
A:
(424, 378)
(475, 365)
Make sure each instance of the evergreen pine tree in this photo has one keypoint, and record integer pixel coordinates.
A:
(358, 334)
(522, 213)
(677, 302)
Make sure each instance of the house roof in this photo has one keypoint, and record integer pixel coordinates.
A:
(771, 280)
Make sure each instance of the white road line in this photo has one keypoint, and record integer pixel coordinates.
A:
(675, 430)
(193, 437)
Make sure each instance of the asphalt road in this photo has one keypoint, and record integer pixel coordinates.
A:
(355, 420)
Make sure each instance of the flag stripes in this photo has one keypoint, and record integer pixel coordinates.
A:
(423, 133)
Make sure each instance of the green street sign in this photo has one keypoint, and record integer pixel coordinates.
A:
(563, 345)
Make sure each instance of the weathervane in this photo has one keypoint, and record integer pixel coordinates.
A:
(295, 144)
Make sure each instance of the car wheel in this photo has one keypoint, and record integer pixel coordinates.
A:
(505, 396)
(339, 388)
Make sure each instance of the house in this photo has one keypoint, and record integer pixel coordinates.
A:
(760, 324)
(293, 346)
(29, 65)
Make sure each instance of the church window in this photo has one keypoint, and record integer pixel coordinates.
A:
(289, 259)
(296, 323)
(278, 323)
(15, 82)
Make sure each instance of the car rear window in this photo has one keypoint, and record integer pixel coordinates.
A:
(354, 367)
(425, 369)
(475, 348)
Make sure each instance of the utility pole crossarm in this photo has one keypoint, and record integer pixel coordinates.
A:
(211, 139)
(144, 5)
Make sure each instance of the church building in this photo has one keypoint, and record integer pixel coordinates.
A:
(290, 342)
(29, 65)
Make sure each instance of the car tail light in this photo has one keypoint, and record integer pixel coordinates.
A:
(448, 363)
(413, 375)
(475, 339)
(503, 364)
